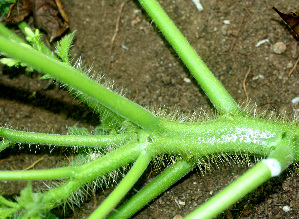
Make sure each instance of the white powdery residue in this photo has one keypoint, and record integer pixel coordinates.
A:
(255, 136)
(198, 5)
(261, 42)
(245, 135)
(229, 138)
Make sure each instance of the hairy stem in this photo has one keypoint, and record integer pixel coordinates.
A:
(278, 161)
(64, 140)
(123, 188)
(92, 170)
(75, 78)
(162, 182)
(84, 173)
(254, 177)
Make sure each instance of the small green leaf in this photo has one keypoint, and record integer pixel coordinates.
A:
(78, 131)
(50, 216)
(10, 62)
(46, 76)
(63, 47)
(31, 203)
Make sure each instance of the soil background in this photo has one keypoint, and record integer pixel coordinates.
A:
(151, 74)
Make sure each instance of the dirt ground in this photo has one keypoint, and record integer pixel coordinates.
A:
(225, 34)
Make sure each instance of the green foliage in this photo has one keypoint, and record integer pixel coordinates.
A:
(30, 202)
(129, 133)
(64, 46)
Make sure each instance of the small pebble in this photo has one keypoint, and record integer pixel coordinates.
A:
(226, 22)
(286, 208)
(290, 65)
(261, 42)
(295, 100)
(258, 77)
(279, 48)
(187, 80)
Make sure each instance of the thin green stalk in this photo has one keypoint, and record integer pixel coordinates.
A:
(4, 144)
(23, 26)
(47, 174)
(162, 182)
(82, 82)
(4, 31)
(254, 177)
(221, 99)
(278, 161)
(92, 170)
(8, 203)
(84, 173)
(123, 188)
(64, 140)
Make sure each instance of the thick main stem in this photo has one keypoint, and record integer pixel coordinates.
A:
(209, 83)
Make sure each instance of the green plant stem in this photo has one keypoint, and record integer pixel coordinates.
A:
(278, 161)
(224, 135)
(4, 31)
(221, 99)
(58, 173)
(64, 140)
(23, 25)
(4, 144)
(123, 188)
(90, 171)
(162, 182)
(78, 80)
(234, 192)
(8, 203)
(86, 172)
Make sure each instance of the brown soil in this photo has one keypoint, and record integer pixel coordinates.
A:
(146, 67)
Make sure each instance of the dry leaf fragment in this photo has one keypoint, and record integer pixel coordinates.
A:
(49, 15)
(49, 18)
(291, 19)
(19, 11)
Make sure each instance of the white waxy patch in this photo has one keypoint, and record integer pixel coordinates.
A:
(241, 135)
(273, 165)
